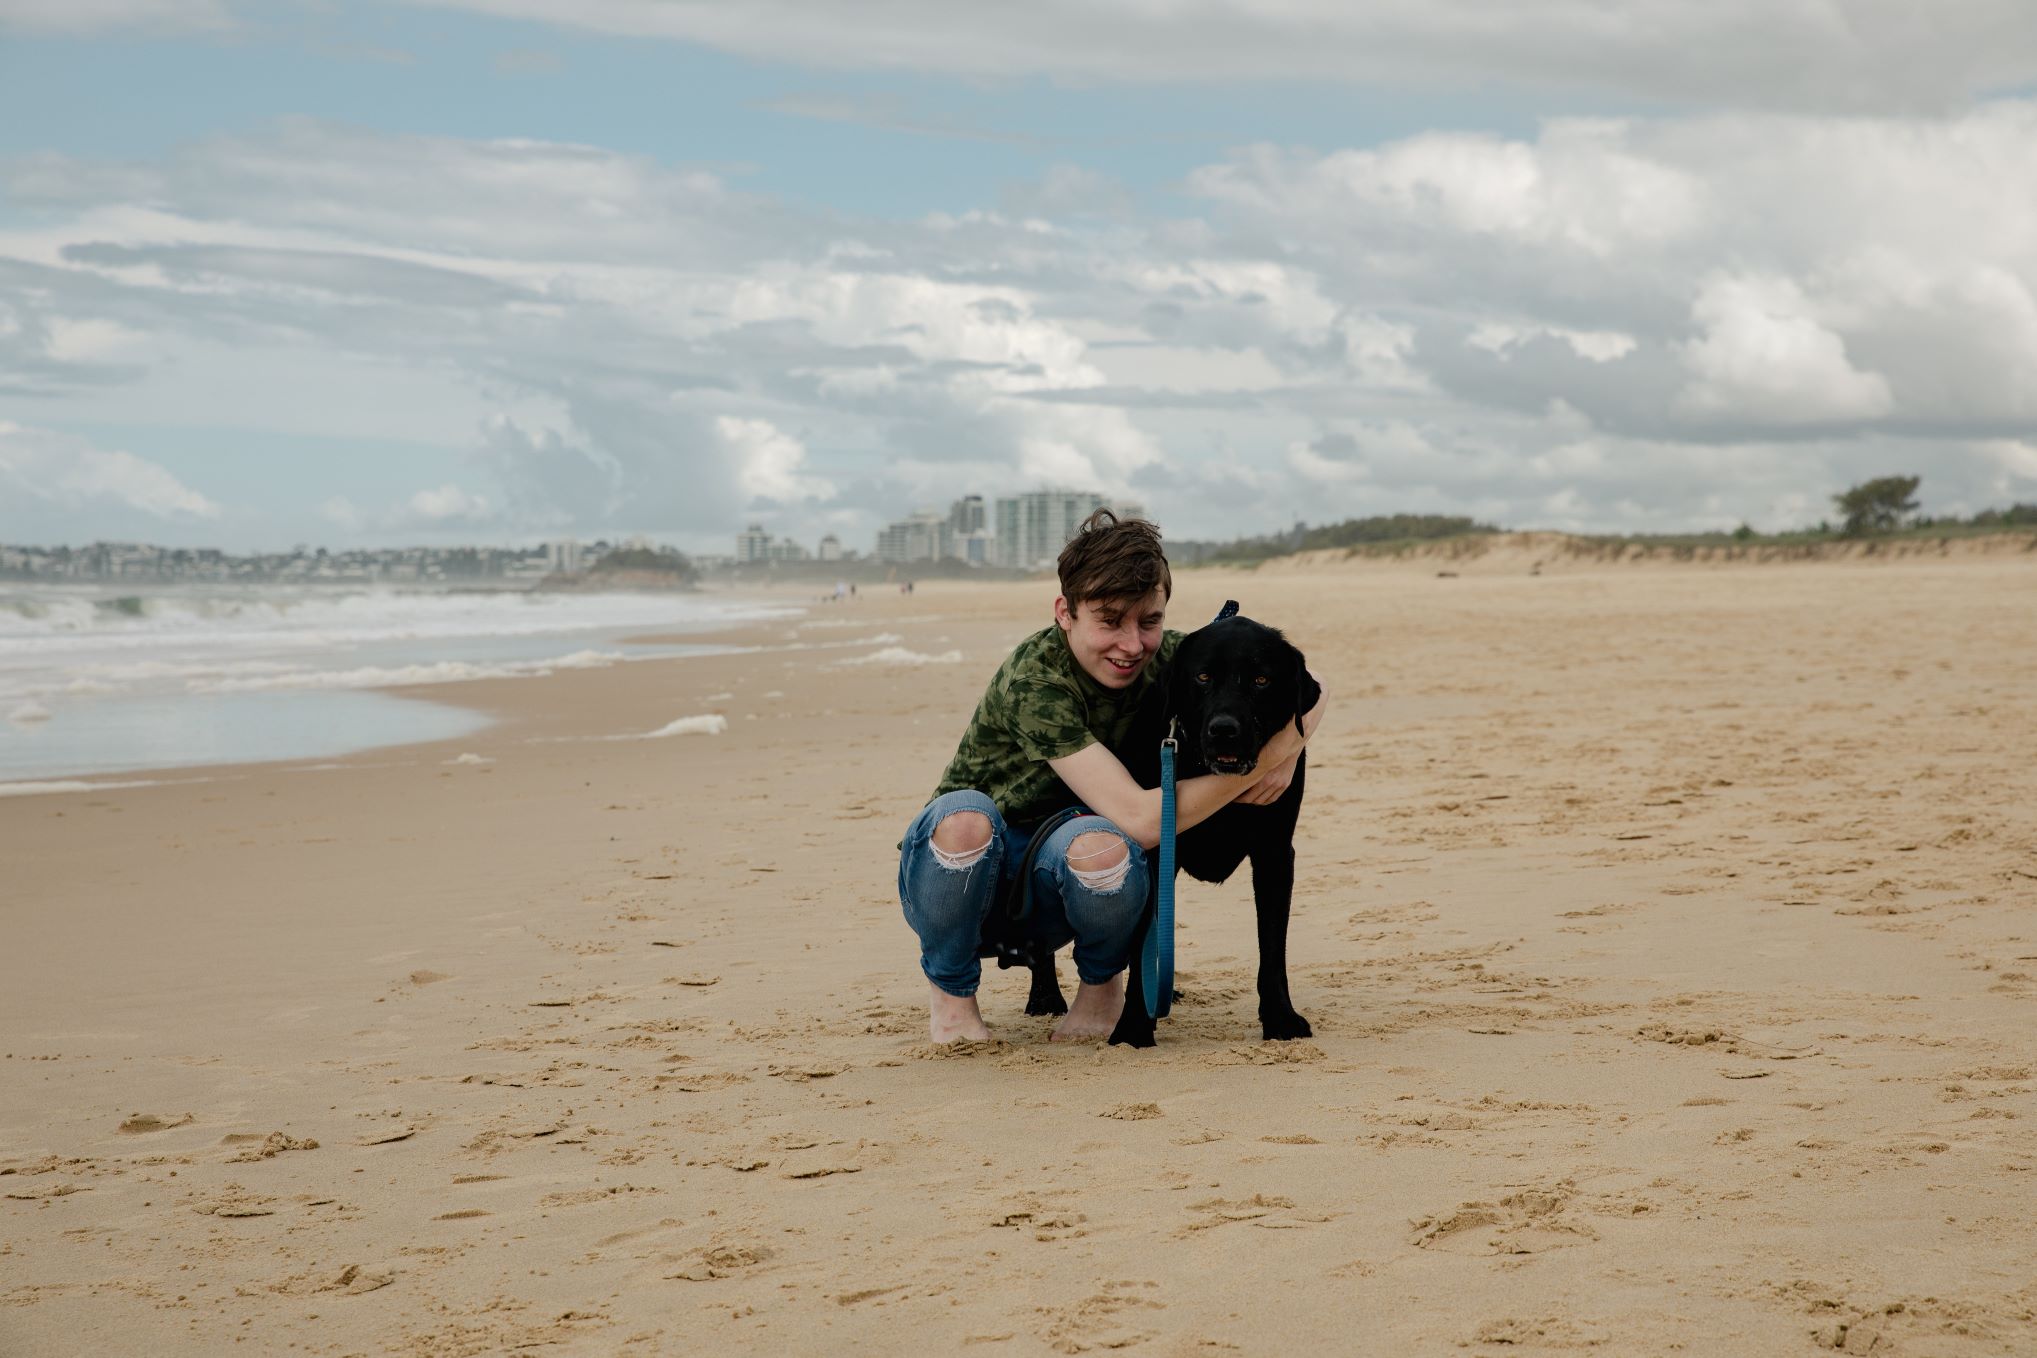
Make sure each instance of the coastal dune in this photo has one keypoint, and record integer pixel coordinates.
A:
(1668, 936)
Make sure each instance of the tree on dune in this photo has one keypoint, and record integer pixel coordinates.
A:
(1877, 506)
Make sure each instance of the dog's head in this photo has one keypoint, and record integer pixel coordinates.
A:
(1235, 683)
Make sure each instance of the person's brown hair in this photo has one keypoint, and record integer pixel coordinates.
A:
(1113, 558)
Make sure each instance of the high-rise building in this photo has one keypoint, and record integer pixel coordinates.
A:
(563, 557)
(753, 544)
(967, 515)
(923, 537)
(1032, 527)
(830, 549)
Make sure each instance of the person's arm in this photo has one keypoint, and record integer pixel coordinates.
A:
(1094, 775)
(1274, 783)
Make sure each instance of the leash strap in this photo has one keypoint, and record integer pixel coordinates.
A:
(1156, 955)
(1014, 943)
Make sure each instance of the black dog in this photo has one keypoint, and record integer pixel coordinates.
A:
(1233, 684)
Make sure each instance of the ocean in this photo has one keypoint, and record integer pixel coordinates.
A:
(97, 680)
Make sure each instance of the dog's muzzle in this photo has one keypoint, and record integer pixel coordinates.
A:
(1227, 745)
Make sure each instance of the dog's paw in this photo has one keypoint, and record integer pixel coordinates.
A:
(1284, 1027)
(1133, 1033)
(1056, 1003)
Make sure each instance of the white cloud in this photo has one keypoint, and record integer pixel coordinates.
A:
(92, 16)
(1778, 53)
(769, 463)
(1765, 356)
(1600, 346)
(341, 513)
(447, 503)
(62, 469)
(621, 345)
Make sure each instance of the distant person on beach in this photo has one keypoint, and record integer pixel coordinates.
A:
(1041, 741)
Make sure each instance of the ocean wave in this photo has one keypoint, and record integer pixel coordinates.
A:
(336, 617)
(70, 785)
(710, 724)
(403, 676)
(898, 655)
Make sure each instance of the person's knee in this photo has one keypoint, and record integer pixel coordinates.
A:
(961, 839)
(1100, 860)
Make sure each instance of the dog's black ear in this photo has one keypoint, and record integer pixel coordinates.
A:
(1307, 692)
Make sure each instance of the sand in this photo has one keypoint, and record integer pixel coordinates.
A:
(1668, 935)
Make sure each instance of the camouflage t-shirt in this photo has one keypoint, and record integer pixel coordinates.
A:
(1041, 706)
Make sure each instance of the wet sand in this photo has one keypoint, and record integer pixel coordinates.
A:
(1669, 933)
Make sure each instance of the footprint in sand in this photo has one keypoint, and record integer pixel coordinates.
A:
(139, 1123)
(720, 1261)
(1266, 1211)
(1531, 1221)
(1042, 1217)
(264, 1147)
(1101, 1320)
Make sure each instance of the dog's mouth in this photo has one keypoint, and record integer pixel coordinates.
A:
(1231, 763)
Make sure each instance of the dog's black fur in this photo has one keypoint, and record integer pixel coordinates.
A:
(1232, 685)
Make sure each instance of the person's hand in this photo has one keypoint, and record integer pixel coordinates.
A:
(1271, 784)
(1279, 775)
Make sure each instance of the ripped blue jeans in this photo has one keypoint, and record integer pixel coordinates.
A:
(946, 905)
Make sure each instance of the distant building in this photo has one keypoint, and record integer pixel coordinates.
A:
(563, 557)
(830, 549)
(925, 536)
(968, 515)
(753, 544)
(1033, 527)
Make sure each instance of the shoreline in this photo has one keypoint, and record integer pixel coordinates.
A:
(451, 695)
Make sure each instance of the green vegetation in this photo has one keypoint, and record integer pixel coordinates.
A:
(1382, 532)
(1877, 506)
(1883, 508)
(655, 560)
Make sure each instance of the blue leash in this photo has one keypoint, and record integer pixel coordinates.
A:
(1156, 955)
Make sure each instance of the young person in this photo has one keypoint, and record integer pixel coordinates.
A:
(1041, 741)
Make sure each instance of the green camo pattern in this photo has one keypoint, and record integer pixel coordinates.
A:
(1041, 706)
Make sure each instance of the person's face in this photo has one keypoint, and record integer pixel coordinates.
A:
(1113, 639)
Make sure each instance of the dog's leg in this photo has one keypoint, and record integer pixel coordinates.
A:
(1135, 1025)
(1273, 896)
(1046, 996)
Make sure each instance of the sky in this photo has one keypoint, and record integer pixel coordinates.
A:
(500, 271)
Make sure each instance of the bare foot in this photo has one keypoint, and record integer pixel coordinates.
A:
(954, 1018)
(1094, 1012)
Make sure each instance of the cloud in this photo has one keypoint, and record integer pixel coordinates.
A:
(769, 463)
(1764, 355)
(341, 513)
(1795, 54)
(61, 469)
(447, 504)
(1655, 323)
(95, 16)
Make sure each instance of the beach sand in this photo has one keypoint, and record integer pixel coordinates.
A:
(1668, 934)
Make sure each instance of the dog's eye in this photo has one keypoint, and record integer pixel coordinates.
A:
(1202, 678)
(1261, 682)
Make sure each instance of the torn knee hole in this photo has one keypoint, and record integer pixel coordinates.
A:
(1104, 872)
(956, 860)
(961, 839)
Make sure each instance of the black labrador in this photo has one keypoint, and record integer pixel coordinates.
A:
(1233, 684)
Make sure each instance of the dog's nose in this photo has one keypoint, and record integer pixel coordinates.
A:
(1223, 728)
